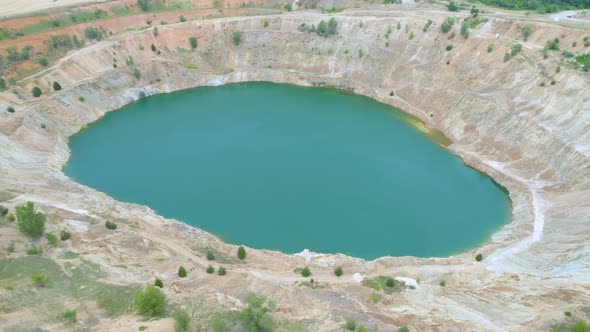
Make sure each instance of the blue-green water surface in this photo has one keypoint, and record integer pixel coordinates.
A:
(287, 168)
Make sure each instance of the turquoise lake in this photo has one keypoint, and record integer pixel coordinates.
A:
(288, 168)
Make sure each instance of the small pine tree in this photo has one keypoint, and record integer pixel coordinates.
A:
(210, 255)
(181, 272)
(210, 269)
(390, 282)
(193, 41)
(64, 235)
(56, 86)
(305, 272)
(222, 271)
(241, 253)
(338, 271)
(36, 92)
(110, 225)
(30, 222)
(479, 257)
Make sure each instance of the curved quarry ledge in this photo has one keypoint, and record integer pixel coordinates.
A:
(532, 140)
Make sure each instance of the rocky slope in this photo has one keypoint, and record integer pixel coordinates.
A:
(532, 139)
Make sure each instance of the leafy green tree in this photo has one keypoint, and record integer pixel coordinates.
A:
(241, 253)
(181, 272)
(322, 29)
(30, 222)
(137, 73)
(237, 38)
(144, 5)
(474, 11)
(40, 279)
(181, 320)
(447, 24)
(452, 6)
(332, 26)
(56, 86)
(338, 271)
(193, 42)
(150, 302)
(255, 317)
(516, 48)
(465, 30)
(36, 92)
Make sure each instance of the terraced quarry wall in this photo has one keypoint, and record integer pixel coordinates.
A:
(532, 139)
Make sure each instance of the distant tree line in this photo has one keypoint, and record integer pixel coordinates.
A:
(541, 6)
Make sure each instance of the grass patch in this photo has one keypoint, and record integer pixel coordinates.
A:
(385, 284)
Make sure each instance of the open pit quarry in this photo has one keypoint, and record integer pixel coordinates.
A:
(518, 121)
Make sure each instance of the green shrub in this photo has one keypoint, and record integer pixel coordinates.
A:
(452, 6)
(34, 250)
(464, 30)
(110, 225)
(255, 317)
(30, 222)
(36, 92)
(92, 33)
(443, 283)
(447, 24)
(70, 316)
(181, 18)
(64, 235)
(156, 32)
(490, 48)
(210, 255)
(222, 271)
(479, 257)
(153, 47)
(265, 23)
(305, 272)
(403, 329)
(2, 84)
(516, 48)
(350, 324)
(51, 239)
(3, 210)
(237, 38)
(137, 73)
(82, 99)
(40, 280)
(474, 11)
(144, 5)
(507, 57)
(181, 320)
(390, 282)
(241, 253)
(181, 272)
(193, 41)
(449, 47)
(158, 283)
(568, 54)
(210, 269)
(526, 31)
(56, 86)
(338, 271)
(288, 7)
(150, 302)
(553, 45)
(10, 217)
(43, 61)
(583, 61)
(10, 109)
